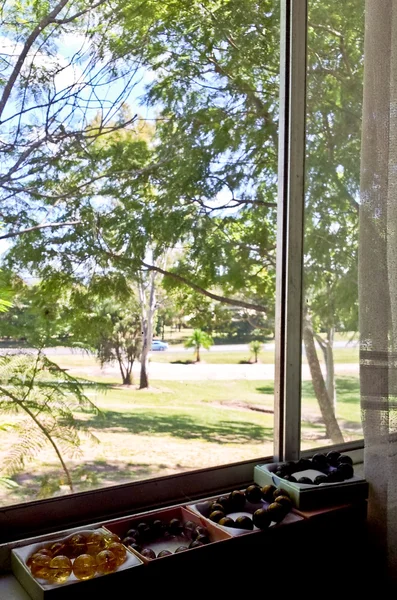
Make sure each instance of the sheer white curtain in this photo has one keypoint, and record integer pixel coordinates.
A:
(378, 276)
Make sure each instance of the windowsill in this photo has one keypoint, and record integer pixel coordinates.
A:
(258, 561)
(10, 589)
(75, 510)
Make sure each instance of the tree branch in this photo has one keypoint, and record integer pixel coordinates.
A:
(42, 428)
(27, 46)
(79, 14)
(13, 234)
(200, 290)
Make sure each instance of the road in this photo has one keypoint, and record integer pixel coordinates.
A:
(61, 350)
(196, 372)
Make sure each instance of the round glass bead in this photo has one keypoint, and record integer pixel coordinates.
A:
(95, 542)
(84, 567)
(40, 566)
(76, 545)
(58, 548)
(119, 551)
(110, 538)
(60, 569)
(43, 551)
(106, 562)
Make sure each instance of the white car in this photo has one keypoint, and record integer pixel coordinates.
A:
(158, 345)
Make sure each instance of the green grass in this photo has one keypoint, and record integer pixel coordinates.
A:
(341, 355)
(211, 358)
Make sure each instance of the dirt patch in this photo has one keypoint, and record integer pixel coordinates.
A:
(238, 405)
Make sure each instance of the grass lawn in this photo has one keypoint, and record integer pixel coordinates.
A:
(211, 358)
(266, 357)
(175, 426)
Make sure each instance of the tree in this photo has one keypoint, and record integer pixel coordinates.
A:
(116, 335)
(147, 297)
(36, 388)
(33, 386)
(335, 75)
(199, 339)
(55, 78)
(217, 81)
(209, 180)
(256, 348)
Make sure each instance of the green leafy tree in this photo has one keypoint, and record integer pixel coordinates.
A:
(104, 318)
(46, 398)
(118, 336)
(208, 181)
(255, 348)
(218, 80)
(199, 339)
(55, 78)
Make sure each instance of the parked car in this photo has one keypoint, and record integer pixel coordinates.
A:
(158, 345)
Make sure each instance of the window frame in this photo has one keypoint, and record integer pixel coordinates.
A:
(66, 512)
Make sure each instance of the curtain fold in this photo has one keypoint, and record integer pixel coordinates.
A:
(378, 277)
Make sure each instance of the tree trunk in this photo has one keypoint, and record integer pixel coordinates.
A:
(127, 379)
(121, 366)
(330, 367)
(327, 348)
(147, 311)
(327, 412)
(144, 378)
(198, 354)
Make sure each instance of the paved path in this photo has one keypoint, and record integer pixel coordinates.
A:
(181, 349)
(197, 372)
(194, 372)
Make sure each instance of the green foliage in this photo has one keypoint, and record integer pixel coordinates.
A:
(335, 79)
(45, 398)
(8, 483)
(6, 293)
(204, 179)
(256, 347)
(199, 339)
(115, 333)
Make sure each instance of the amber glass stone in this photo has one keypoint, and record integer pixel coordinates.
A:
(58, 548)
(77, 544)
(106, 561)
(95, 542)
(84, 567)
(119, 551)
(110, 538)
(40, 566)
(60, 569)
(44, 551)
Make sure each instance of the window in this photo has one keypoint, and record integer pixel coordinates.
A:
(333, 161)
(128, 214)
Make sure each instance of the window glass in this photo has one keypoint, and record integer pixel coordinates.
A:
(139, 192)
(330, 370)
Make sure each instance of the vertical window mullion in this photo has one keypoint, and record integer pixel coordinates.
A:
(289, 278)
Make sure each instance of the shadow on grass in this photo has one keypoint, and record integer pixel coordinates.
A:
(347, 389)
(180, 426)
(182, 362)
(266, 389)
(90, 475)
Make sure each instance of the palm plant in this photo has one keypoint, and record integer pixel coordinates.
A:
(199, 339)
